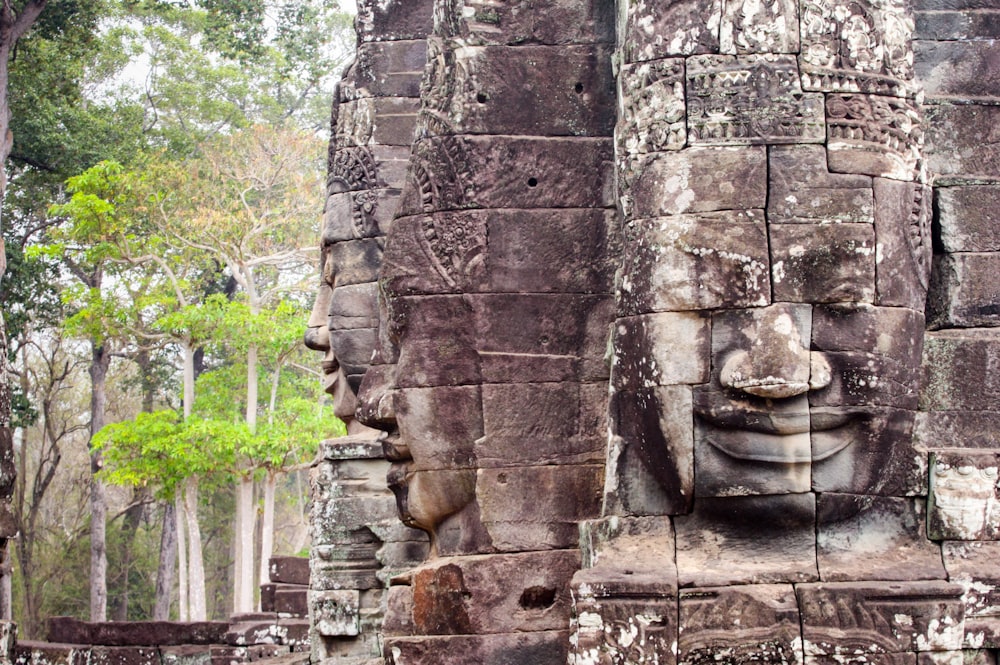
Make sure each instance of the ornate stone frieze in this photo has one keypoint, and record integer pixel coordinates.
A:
(754, 99)
(873, 134)
(652, 108)
(861, 46)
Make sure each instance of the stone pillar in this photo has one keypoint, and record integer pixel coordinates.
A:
(497, 287)
(358, 546)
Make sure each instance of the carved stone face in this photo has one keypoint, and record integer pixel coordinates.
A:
(430, 431)
(770, 306)
(344, 316)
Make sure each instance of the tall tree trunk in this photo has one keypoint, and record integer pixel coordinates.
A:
(165, 568)
(100, 359)
(183, 597)
(267, 526)
(12, 27)
(196, 566)
(243, 586)
(243, 578)
(130, 527)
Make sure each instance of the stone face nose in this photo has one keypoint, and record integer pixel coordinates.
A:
(774, 360)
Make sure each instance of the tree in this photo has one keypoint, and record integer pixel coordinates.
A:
(13, 25)
(88, 246)
(249, 201)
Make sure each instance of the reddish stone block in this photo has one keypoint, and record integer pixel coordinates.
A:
(460, 595)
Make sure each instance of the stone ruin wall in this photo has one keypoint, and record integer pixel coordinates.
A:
(533, 202)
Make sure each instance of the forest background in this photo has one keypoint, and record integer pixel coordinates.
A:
(161, 217)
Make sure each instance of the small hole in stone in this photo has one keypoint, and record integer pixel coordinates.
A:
(502, 478)
(537, 598)
(578, 87)
(628, 572)
(481, 97)
(532, 182)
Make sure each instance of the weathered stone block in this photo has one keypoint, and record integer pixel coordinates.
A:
(290, 601)
(441, 425)
(542, 423)
(959, 296)
(866, 450)
(946, 25)
(823, 263)
(502, 90)
(629, 543)
(391, 69)
(974, 565)
(959, 69)
(841, 618)
(656, 30)
(27, 652)
(873, 134)
(768, 539)
(802, 190)
(186, 655)
(957, 429)
(963, 141)
(652, 116)
(377, 121)
(354, 348)
(969, 217)
(335, 613)
(764, 29)
(449, 173)
(903, 243)
(956, 359)
(750, 100)
(516, 22)
(963, 501)
(353, 307)
(460, 595)
(695, 262)
(425, 361)
(538, 507)
(664, 349)
(964, 657)
(650, 468)
(739, 624)
(842, 53)
(624, 615)
(700, 180)
(393, 20)
(106, 655)
(367, 213)
(874, 538)
(503, 251)
(499, 649)
(355, 261)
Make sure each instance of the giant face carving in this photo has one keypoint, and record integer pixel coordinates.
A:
(770, 305)
(344, 318)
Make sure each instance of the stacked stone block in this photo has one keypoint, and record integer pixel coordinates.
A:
(956, 57)
(358, 546)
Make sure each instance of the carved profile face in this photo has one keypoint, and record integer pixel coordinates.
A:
(430, 425)
(344, 319)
